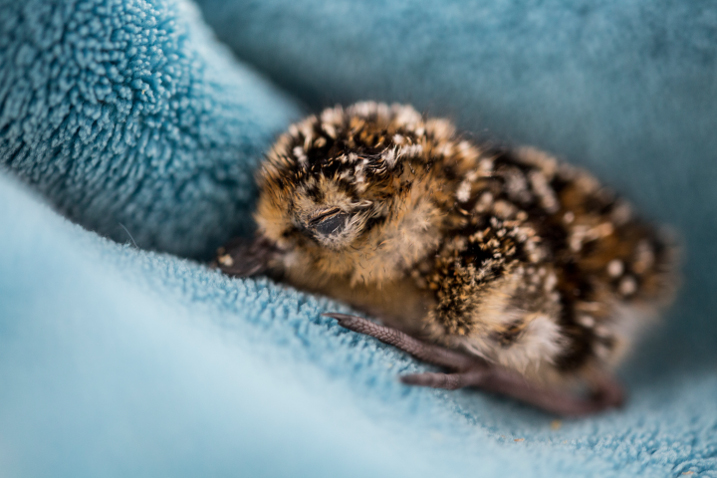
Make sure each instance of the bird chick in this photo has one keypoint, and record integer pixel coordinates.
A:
(518, 273)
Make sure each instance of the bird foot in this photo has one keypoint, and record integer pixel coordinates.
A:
(471, 371)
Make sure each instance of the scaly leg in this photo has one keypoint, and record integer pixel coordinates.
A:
(476, 372)
(426, 352)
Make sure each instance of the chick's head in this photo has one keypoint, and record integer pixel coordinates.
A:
(352, 192)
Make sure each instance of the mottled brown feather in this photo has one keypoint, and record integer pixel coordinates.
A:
(510, 255)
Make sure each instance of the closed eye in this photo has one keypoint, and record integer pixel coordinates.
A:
(323, 216)
(331, 224)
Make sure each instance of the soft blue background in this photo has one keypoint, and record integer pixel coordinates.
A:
(129, 118)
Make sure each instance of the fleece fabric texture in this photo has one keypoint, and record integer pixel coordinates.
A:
(130, 119)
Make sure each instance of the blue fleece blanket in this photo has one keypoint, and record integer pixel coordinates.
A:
(128, 137)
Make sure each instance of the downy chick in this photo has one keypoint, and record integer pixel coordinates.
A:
(520, 274)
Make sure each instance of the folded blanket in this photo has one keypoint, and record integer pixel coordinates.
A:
(133, 120)
(130, 119)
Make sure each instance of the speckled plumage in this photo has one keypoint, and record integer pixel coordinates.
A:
(507, 255)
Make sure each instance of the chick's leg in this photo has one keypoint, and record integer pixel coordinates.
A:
(505, 382)
(433, 354)
(471, 371)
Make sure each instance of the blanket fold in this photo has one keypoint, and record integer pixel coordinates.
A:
(133, 120)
